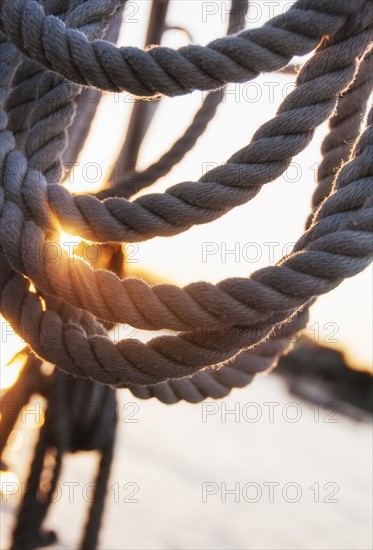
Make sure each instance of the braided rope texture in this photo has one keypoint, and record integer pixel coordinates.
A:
(239, 325)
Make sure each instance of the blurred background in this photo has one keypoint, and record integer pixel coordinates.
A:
(284, 463)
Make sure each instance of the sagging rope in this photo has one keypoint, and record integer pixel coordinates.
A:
(342, 224)
(356, 45)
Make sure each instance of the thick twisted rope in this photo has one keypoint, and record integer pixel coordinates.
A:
(243, 336)
(42, 326)
(56, 98)
(194, 388)
(344, 129)
(219, 190)
(348, 215)
(197, 300)
(216, 383)
(240, 373)
(219, 383)
(171, 72)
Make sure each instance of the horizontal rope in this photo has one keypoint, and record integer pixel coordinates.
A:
(219, 190)
(171, 72)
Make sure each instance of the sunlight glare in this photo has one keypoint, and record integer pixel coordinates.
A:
(69, 243)
(11, 371)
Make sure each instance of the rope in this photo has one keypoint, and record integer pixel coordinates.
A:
(132, 301)
(239, 325)
(234, 315)
(324, 77)
(228, 377)
(342, 251)
(344, 129)
(171, 72)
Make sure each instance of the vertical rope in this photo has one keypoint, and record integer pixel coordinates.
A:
(344, 129)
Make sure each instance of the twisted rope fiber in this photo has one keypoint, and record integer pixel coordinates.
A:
(214, 393)
(43, 327)
(130, 362)
(80, 15)
(205, 297)
(205, 384)
(344, 129)
(221, 189)
(171, 72)
(91, 532)
(187, 204)
(213, 383)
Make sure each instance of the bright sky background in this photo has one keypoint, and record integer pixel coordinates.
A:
(276, 215)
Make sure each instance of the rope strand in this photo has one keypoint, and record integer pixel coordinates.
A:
(217, 322)
(171, 72)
